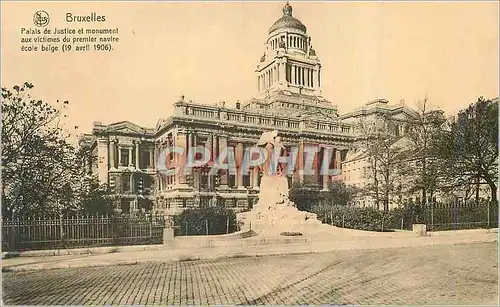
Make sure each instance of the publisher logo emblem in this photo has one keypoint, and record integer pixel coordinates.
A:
(41, 19)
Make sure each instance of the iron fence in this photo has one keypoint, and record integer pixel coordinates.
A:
(81, 231)
(436, 216)
(460, 215)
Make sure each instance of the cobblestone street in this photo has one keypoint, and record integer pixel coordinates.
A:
(457, 274)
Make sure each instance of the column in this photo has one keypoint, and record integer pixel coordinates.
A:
(282, 72)
(119, 155)
(307, 77)
(292, 72)
(130, 156)
(168, 161)
(255, 178)
(190, 141)
(316, 166)
(251, 177)
(208, 146)
(239, 152)
(209, 182)
(137, 157)
(338, 161)
(102, 162)
(319, 77)
(112, 146)
(300, 162)
(316, 77)
(222, 146)
(181, 142)
(196, 179)
(327, 152)
(214, 147)
(151, 158)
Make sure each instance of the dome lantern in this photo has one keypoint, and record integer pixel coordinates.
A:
(288, 21)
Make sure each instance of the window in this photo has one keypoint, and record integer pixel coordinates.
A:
(144, 162)
(147, 182)
(246, 180)
(126, 183)
(204, 180)
(231, 181)
(124, 156)
(125, 205)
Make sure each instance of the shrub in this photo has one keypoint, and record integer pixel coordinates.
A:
(362, 218)
(197, 221)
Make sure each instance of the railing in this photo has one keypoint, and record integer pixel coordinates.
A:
(460, 216)
(81, 231)
(437, 217)
(266, 120)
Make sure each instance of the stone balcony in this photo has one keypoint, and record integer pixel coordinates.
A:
(261, 119)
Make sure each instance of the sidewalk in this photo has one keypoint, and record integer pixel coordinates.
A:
(135, 255)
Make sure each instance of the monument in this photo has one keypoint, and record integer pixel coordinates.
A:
(275, 213)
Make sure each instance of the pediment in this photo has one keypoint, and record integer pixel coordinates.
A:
(160, 124)
(126, 127)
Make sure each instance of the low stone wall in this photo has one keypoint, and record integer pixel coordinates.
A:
(241, 238)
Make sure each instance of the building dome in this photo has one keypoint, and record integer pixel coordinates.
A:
(287, 21)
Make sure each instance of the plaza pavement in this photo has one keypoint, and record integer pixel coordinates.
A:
(442, 274)
(344, 240)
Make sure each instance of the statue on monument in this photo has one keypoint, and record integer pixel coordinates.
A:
(274, 184)
(274, 210)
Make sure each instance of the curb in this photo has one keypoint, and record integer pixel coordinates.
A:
(185, 258)
(114, 249)
(81, 251)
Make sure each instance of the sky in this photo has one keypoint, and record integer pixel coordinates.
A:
(208, 51)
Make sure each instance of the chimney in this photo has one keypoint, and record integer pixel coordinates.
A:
(238, 105)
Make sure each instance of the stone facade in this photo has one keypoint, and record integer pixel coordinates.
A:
(288, 99)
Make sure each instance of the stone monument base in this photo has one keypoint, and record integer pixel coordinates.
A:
(279, 218)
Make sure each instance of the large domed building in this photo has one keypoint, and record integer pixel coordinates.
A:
(132, 159)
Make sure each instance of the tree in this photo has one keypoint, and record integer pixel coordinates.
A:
(309, 197)
(93, 197)
(385, 152)
(424, 130)
(42, 173)
(469, 150)
(305, 196)
(339, 194)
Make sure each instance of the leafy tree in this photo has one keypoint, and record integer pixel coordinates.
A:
(339, 194)
(305, 196)
(322, 202)
(42, 173)
(94, 197)
(469, 150)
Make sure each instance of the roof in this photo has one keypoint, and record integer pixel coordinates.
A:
(287, 21)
